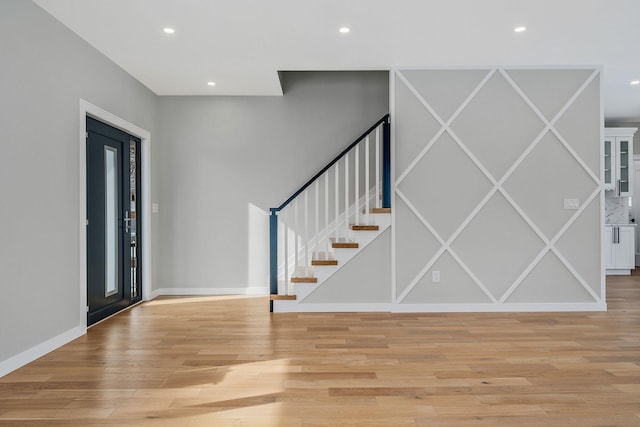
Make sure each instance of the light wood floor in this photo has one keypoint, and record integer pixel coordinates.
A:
(225, 361)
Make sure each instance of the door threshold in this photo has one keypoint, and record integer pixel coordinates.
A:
(115, 314)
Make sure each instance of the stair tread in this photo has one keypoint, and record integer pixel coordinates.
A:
(282, 297)
(364, 227)
(343, 243)
(324, 262)
(304, 280)
(381, 210)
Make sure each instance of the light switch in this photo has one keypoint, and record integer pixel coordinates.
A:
(572, 204)
(154, 207)
(435, 276)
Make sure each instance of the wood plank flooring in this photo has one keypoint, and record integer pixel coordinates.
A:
(225, 361)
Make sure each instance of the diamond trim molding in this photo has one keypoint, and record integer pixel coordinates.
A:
(497, 187)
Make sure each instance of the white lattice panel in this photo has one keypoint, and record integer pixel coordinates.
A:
(483, 189)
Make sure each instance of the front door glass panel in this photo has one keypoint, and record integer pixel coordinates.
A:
(112, 195)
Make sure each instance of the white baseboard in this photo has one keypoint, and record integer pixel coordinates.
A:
(619, 272)
(285, 306)
(254, 290)
(39, 350)
(499, 308)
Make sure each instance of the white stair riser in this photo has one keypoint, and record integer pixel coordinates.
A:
(322, 273)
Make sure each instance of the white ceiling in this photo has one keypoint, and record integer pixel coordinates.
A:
(242, 44)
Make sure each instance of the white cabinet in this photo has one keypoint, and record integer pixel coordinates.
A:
(608, 248)
(619, 249)
(618, 160)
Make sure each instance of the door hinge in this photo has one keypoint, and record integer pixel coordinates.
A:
(86, 222)
(87, 309)
(86, 135)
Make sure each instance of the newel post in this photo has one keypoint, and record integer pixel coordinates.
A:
(273, 256)
(386, 164)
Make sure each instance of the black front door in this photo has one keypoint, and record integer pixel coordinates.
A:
(113, 279)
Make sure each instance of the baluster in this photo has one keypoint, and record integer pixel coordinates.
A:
(377, 200)
(306, 233)
(346, 194)
(337, 197)
(285, 222)
(356, 174)
(296, 235)
(317, 218)
(326, 212)
(366, 180)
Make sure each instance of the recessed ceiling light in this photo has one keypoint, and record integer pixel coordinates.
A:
(169, 30)
(520, 29)
(211, 83)
(344, 30)
(635, 82)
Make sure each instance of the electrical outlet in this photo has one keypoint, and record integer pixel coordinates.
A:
(571, 204)
(435, 276)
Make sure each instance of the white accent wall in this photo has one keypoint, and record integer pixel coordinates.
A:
(484, 159)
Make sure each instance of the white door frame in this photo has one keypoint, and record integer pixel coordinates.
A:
(635, 209)
(88, 109)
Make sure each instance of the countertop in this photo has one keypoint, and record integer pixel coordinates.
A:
(630, 224)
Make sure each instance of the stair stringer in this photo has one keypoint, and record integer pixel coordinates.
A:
(323, 273)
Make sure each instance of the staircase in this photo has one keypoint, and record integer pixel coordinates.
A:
(331, 218)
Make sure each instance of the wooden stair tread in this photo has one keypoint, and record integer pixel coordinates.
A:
(381, 210)
(324, 262)
(356, 227)
(282, 297)
(343, 243)
(376, 211)
(304, 280)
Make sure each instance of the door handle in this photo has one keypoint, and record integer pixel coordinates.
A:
(127, 222)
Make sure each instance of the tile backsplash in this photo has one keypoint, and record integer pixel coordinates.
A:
(616, 210)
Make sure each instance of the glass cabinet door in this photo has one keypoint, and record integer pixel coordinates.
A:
(624, 183)
(608, 164)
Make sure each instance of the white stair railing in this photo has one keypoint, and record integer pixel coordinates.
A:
(341, 194)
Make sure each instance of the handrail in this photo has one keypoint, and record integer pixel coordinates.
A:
(331, 163)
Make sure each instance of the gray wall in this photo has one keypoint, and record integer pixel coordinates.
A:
(218, 164)
(226, 160)
(496, 240)
(45, 70)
